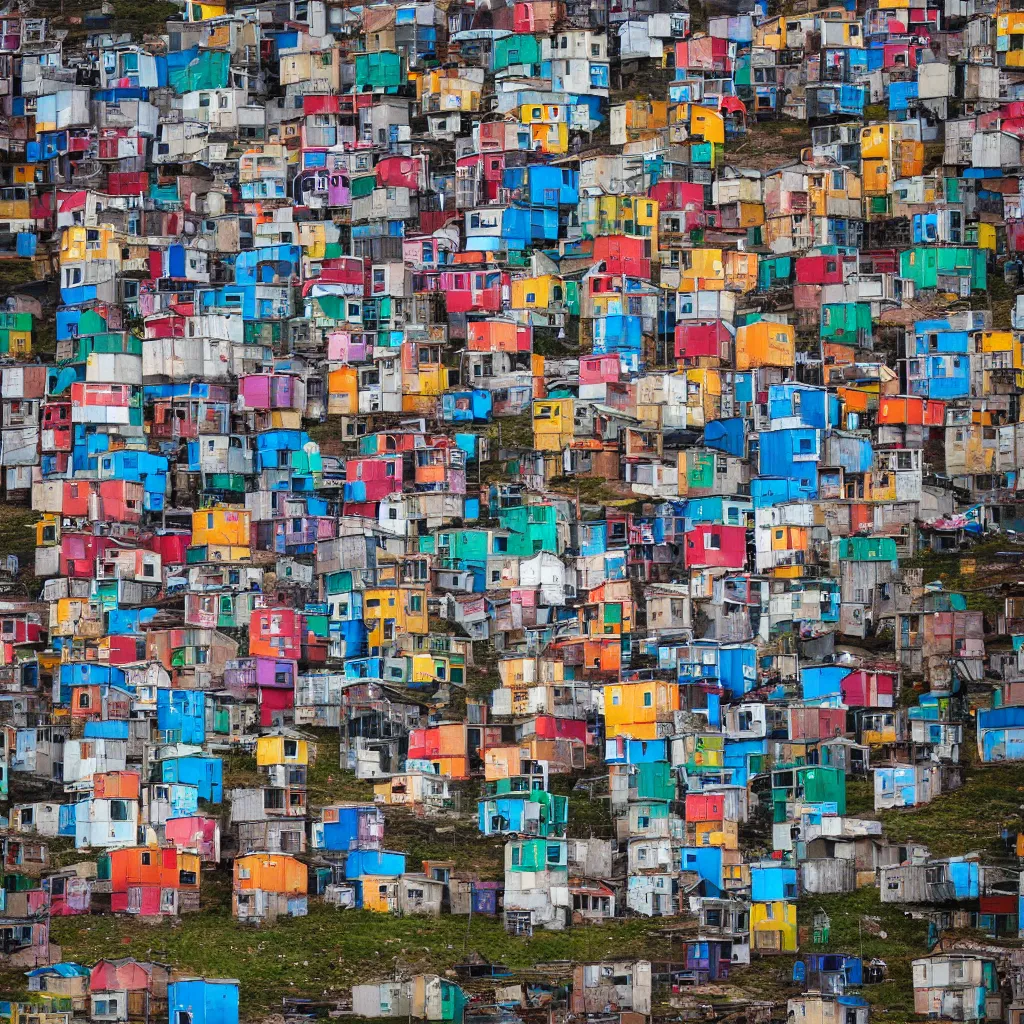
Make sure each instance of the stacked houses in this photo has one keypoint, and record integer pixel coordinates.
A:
(595, 427)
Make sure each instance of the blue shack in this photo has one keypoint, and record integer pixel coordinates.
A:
(352, 825)
(706, 862)
(792, 454)
(1001, 734)
(203, 772)
(374, 862)
(772, 880)
(182, 714)
(203, 1001)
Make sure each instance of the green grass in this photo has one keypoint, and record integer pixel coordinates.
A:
(587, 817)
(141, 17)
(17, 532)
(240, 771)
(594, 491)
(18, 537)
(44, 338)
(513, 432)
(446, 837)
(860, 924)
(860, 797)
(980, 588)
(326, 783)
(482, 678)
(15, 273)
(970, 818)
(323, 954)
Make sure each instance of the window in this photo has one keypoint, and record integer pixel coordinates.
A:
(648, 699)
(118, 810)
(519, 922)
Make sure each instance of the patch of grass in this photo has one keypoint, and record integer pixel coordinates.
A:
(857, 920)
(862, 925)
(18, 537)
(447, 837)
(547, 343)
(17, 531)
(770, 143)
(142, 17)
(240, 771)
(15, 273)
(321, 955)
(969, 818)
(512, 431)
(482, 680)
(592, 490)
(588, 816)
(326, 781)
(44, 338)
(860, 797)
(328, 436)
(980, 588)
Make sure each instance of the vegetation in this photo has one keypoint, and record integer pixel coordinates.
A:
(240, 771)
(321, 955)
(17, 532)
(589, 812)
(547, 343)
(18, 537)
(982, 590)
(512, 431)
(859, 923)
(142, 17)
(326, 783)
(860, 798)
(14, 274)
(770, 144)
(447, 838)
(971, 818)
